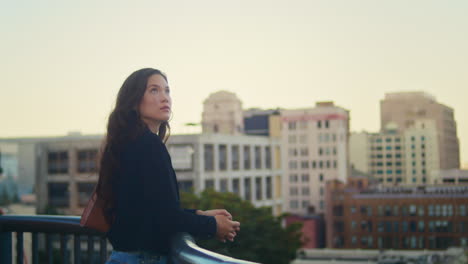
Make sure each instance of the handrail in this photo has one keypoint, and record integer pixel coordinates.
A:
(183, 247)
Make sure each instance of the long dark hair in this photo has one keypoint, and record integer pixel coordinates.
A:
(124, 125)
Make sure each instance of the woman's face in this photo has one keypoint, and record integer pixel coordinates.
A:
(155, 106)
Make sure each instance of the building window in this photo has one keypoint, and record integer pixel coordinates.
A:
(57, 162)
(321, 177)
(305, 177)
(269, 188)
(85, 189)
(292, 125)
(258, 188)
(223, 185)
(58, 194)
(293, 178)
(314, 164)
(327, 123)
(247, 157)
(235, 157)
(222, 157)
(305, 190)
(209, 157)
(421, 226)
(209, 184)
(258, 157)
(236, 186)
(305, 204)
(87, 160)
(268, 157)
(247, 191)
(319, 124)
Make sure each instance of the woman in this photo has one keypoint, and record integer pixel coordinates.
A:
(137, 182)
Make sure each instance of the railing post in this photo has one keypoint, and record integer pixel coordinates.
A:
(6, 248)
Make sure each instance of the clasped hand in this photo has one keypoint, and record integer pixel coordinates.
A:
(226, 228)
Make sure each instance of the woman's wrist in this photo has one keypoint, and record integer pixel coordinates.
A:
(199, 212)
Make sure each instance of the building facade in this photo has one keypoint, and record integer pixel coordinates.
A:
(249, 166)
(315, 149)
(222, 113)
(246, 165)
(429, 217)
(399, 157)
(405, 108)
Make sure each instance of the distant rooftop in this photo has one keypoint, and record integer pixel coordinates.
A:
(409, 95)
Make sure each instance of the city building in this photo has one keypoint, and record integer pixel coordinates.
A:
(222, 113)
(405, 108)
(249, 166)
(315, 149)
(262, 122)
(313, 229)
(21, 157)
(416, 217)
(453, 176)
(398, 157)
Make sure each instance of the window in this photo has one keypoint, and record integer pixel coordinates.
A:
(326, 124)
(57, 162)
(236, 186)
(258, 157)
(209, 184)
(85, 189)
(269, 188)
(58, 194)
(319, 124)
(292, 125)
(314, 164)
(293, 178)
(321, 177)
(421, 226)
(258, 188)
(223, 185)
(247, 191)
(305, 177)
(222, 162)
(247, 157)
(87, 160)
(305, 204)
(209, 157)
(235, 157)
(305, 191)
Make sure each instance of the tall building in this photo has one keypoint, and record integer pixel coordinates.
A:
(424, 217)
(222, 113)
(396, 157)
(405, 108)
(315, 149)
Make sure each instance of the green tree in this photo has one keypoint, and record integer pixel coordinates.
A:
(261, 239)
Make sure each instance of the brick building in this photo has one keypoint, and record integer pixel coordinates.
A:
(429, 217)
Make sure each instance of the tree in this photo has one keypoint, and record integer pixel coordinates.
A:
(261, 239)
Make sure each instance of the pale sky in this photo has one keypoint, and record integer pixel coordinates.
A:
(61, 64)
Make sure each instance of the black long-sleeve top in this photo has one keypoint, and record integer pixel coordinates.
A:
(147, 211)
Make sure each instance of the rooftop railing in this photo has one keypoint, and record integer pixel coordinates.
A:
(50, 237)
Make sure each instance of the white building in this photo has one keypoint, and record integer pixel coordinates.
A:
(249, 166)
(315, 150)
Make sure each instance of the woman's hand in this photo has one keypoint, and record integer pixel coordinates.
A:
(215, 212)
(225, 228)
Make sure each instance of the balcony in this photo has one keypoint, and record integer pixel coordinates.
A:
(46, 229)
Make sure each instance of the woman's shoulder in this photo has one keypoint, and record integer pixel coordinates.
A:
(143, 143)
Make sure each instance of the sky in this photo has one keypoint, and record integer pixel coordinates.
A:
(62, 62)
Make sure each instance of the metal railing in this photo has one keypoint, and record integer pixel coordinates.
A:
(183, 247)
